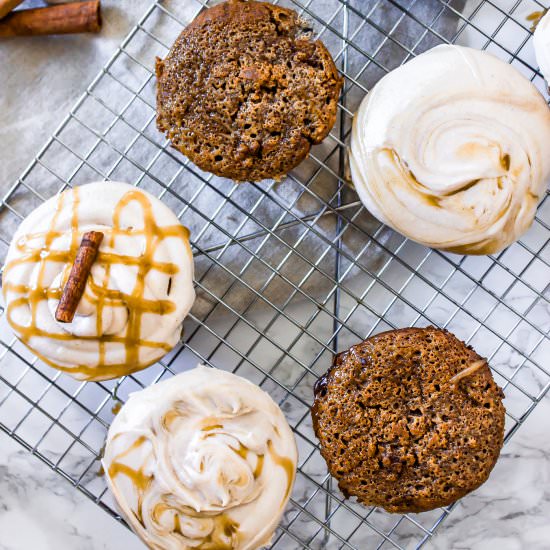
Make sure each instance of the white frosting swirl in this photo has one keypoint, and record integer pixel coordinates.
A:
(450, 149)
(541, 43)
(139, 290)
(204, 460)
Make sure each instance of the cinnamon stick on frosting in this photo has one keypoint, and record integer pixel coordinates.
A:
(75, 17)
(74, 288)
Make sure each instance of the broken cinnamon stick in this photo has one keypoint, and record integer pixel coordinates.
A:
(76, 283)
(7, 5)
(70, 18)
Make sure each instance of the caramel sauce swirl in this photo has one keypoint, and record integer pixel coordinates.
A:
(204, 460)
(136, 297)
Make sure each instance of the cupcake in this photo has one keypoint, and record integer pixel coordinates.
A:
(205, 459)
(450, 149)
(245, 91)
(541, 43)
(409, 420)
(98, 280)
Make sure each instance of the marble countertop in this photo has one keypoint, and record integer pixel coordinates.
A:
(40, 510)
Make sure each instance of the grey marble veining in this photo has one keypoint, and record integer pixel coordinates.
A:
(39, 510)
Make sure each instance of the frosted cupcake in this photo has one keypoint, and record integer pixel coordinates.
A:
(450, 149)
(541, 43)
(203, 460)
(135, 290)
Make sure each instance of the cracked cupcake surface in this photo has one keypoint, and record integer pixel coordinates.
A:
(245, 91)
(204, 460)
(450, 149)
(139, 290)
(409, 420)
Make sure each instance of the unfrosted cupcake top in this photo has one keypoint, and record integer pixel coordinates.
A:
(245, 90)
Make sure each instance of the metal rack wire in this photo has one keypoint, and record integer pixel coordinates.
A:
(286, 273)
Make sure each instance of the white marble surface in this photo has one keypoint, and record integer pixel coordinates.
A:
(40, 510)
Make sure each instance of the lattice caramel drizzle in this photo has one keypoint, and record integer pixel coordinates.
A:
(102, 296)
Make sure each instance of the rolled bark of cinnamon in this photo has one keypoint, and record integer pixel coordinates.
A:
(7, 5)
(75, 17)
(76, 284)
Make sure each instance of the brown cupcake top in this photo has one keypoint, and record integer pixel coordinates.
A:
(245, 91)
(409, 420)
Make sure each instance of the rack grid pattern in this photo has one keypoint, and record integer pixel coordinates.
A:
(286, 273)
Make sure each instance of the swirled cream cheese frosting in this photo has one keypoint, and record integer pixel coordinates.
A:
(204, 460)
(541, 43)
(451, 150)
(138, 292)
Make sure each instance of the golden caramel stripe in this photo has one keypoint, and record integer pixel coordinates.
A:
(102, 295)
(36, 255)
(284, 463)
(110, 258)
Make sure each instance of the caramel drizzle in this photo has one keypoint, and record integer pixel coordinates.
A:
(102, 296)
(223, 536)
(535, 17)
(212, 427)
(243, 452)
(140, 480)
(285, 463)
(225, 533)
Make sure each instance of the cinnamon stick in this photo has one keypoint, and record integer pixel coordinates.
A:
(76, 283)
(70, 18)
(7, 5)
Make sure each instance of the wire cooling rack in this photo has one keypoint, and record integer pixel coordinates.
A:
(286, 273)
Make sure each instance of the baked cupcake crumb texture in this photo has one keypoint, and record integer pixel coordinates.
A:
(409, 420)
(245, 91)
